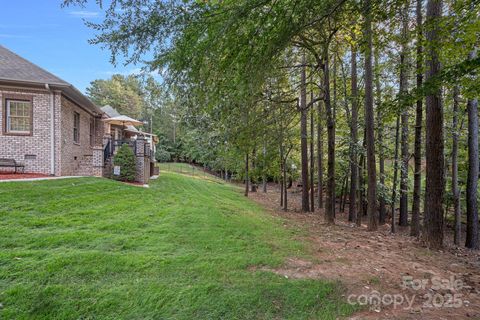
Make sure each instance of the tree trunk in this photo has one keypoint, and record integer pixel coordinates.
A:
(372, 214)
(264, 175)
(455, 189)
(434, 150)
(363, 196)
(253, 183)
(381, 157)
(346, 193)
(282, 179)
(285, 200)
(473, 168)
(417, 176)
(246, 175)
(343, 197)
(342, 185)
(330, 201)
(282, 184)
(304, 143)
(361, 210)
(320, 155)
(352, 206)
(403, 219)
(395, 174)
(333, 134)
(312, 159)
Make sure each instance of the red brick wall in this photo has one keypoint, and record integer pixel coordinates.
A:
(72, 152)
(38, 144)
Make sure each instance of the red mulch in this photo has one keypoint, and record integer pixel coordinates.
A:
(4, 175)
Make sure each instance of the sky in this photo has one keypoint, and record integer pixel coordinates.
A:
(56, 39)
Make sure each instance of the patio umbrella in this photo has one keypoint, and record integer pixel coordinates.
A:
(132, 129)
(123, 121)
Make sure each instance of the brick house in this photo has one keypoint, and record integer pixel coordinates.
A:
(116, 135)
(47, 124)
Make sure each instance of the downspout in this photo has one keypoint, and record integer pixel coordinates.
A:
(52, 130)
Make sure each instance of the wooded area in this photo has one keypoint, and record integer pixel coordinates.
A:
(377, 100)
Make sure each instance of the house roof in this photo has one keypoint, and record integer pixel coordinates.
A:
(110, 111)
(14, 67)
(19, 71)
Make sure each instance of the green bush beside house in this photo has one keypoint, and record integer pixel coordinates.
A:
(125, 159)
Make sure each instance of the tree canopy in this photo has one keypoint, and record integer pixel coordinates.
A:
(248, 81)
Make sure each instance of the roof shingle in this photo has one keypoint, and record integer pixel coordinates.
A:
(18, 70)
(14, 67)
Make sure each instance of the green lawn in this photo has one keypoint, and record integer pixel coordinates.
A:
(183, 168)
(99, 249)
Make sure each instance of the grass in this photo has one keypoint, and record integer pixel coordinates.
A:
(184, 168)
(99, 249)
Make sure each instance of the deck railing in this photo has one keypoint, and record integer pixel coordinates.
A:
(119, 142)
(112, 146)
(107, 151)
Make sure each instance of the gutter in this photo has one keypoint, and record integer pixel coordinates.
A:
(52, 130)
(33, 83)
(67, 89)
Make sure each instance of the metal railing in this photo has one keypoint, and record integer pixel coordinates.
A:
(147, 150)
(112, 146)
(107, 151)
(131, 143)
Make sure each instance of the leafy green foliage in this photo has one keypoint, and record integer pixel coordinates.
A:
(232, 71)
(125, 159)
(162, 155)
(124, 93)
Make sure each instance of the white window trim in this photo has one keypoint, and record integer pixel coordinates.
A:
(8, 117)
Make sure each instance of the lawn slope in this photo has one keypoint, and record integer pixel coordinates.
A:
(99, 249)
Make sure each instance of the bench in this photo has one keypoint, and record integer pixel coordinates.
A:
(11, 163)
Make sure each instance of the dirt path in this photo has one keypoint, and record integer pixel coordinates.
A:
(411, 281)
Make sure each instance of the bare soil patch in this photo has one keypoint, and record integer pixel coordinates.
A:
(444, 284)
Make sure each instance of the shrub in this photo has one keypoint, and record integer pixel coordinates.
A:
(162, 155)
(125, 159)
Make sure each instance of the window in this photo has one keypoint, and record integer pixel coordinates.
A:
(76, 127)
(92, 132)
(18, 116)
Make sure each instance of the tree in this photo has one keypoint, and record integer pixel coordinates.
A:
(434, 148)
(247, 172)
(330, 201)
(320, 153)
(417, 154)
(473, 171)
(403, 90)
(154, 98)
(312, 157)
(455, 188)
(395, 174)
(380, 129)
(372, 213)
(223, 60)
(352, 215)
(304, 136)
(124, 93)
